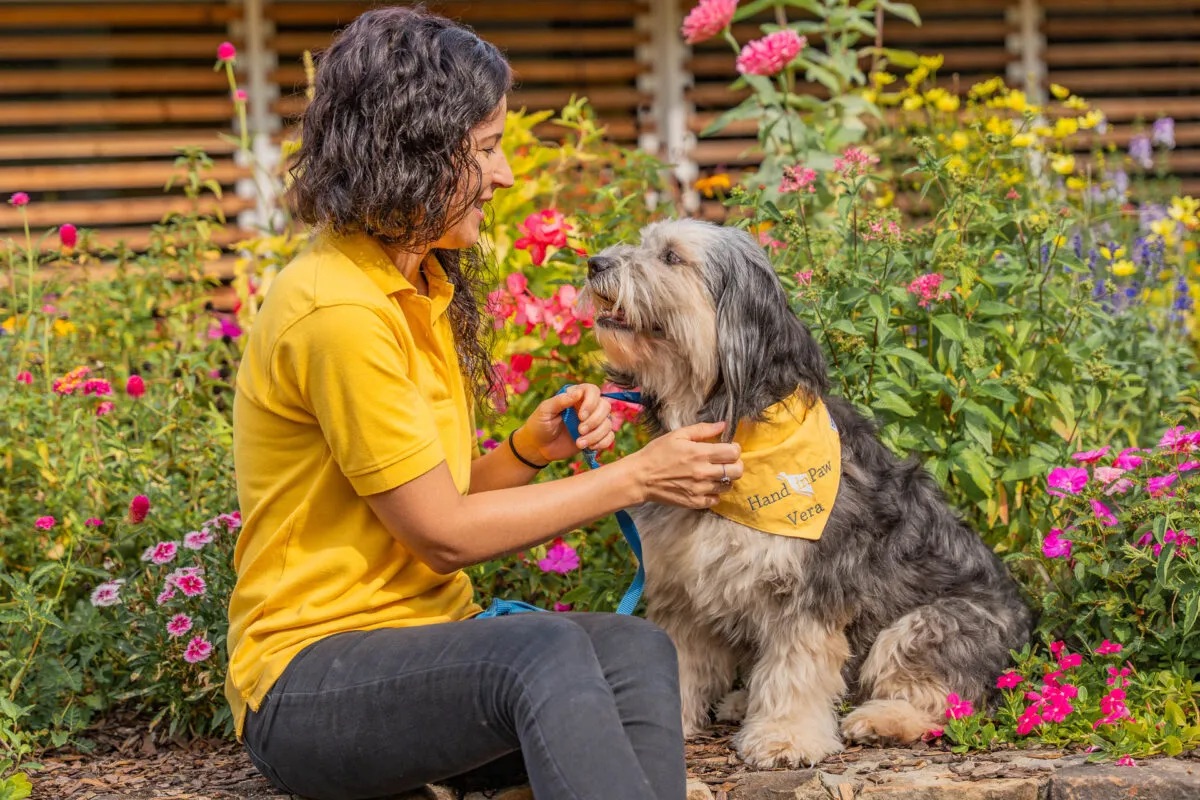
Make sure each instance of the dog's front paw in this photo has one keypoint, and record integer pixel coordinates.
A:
(784, 744)
(887, 721)
(732, 707)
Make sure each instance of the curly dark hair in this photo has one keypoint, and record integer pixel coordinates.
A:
(386, 142)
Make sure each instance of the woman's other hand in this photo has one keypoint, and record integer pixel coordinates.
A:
(545, 433)
(682, 468)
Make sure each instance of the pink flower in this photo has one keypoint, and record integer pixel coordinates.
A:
(1178, 440)
(707, 19)
(1108, 648)
(179, 625)
(770, 54)
(1029, 719)
(1068, 479)
(165, 595)
(1009, 680)
(197, 650)
(191, 585)
(107, 594)
(1053, 546)
(196, 540)
(45, 523)
(160, 553)
(804, 278)
(105, 407)
(239, 95)
(139, 507)
(1158, 486)
(93, 522)
(1188, 466)
(68, 234)
(854, 161)
(957, 707)
(25, 377)
(1127, 460)
(1090, 456)
(926, 288)
(1126, 761)
(226, 51)
(1107, 475)
(1118, 678)
(224, 327)
(798, 179)
(232, 521)
(1070, 661)
(560, 558)
(931, 734)
(563, 606)
(135, 386)
(1103, 513)
(19, 199)
(1011, 195)
(97, 386)
(546, 228)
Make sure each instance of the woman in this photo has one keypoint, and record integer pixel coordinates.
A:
(356, 669)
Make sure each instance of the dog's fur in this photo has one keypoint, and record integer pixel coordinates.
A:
(896, 605)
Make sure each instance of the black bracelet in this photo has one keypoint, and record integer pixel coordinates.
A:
(520, 457)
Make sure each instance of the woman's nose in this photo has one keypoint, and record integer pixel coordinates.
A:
(502, 176)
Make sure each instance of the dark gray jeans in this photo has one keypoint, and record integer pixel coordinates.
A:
(585, 705)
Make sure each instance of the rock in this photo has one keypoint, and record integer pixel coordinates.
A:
(1160, 779)
(918, 786)
(805, 784)
(698, 790)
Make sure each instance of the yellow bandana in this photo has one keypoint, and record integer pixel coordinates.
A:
(793, 465)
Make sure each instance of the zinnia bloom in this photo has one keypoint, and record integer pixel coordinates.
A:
(179, 625)
(25, 377)
(105, 407)
(45, 523)
(68, 235)
(135, 386)
(226, 51)
(198, 649)
(707, 19)
(139, 507)
(560, 558)
(93, 522)
(19, 199)
(770, 54)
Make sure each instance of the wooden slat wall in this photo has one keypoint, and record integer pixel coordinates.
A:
(95, 96)
(1136, 60)
(586, 47)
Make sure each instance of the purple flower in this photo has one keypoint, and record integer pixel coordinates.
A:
(560, 558)
(1157, 486)
(1141, 151)
(1103, 513)
(1163, 132)
(1127, 460)
(1053, 546)
(1069, 479)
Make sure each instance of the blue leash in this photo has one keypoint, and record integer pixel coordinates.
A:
(633, 594)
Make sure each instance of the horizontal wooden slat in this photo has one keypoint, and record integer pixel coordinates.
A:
(109, 144)
(578, 72)
(1100, 26)
(116, 211)
(81, 80)
(128, 15)
(598, 97)
(292, 44)
(1091, 54)
(139, 237)
(1122, 109)
(121, 45)
(161, 110)
(140, 174)
(475, 13)
(1139, 81)
(1109, 6)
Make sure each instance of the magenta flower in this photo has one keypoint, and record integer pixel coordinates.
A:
(191, 585)
(225, 327)
(1067, 479)
(1126, 459)
(854, 161)
(197, 650)
(560, 558)
(1108, 648)
(93, 522)
(139, 507)
(707, 19)
(1118, 678)
(105, 407)
(135, 387)
(957, 707)
(226, 51)
(68, 234)
(19, 199)
(1091, 456)
(1009, 680)
(1070, 661)
(563, 606)
(97, 386)
(542, 230)
(770, 54)
(25, 377)
(45, 523)
(1126, 761)
(1188, 466)
(165, 595)
(926, 288)
(195, 540)
(160, 553)
(107, 594)
(1054, 546)
(798, 179)
(239, 95)
(1158, 486)
(179, 625)
(1103, 513)
(1177, 440)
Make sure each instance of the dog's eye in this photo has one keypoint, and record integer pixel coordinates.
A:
(672, 258)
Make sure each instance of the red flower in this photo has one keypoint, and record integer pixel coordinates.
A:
(25, 377)
(19, 199)
(135, 386)
(226, 51)
(139, 507)
(521, 362)
(68, 235)
(547, 228)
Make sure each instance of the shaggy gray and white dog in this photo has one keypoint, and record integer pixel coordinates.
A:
(896, 605)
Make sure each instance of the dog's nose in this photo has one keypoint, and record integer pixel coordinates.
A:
(597, 264)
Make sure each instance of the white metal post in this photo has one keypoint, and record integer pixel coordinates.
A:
(667, 83)
(1028, 43)
(262, 121)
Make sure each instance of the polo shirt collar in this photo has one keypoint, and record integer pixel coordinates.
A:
(367, 254)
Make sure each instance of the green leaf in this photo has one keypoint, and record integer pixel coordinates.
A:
(951, 327)
(748, 109)
(1174, 714)
(1023, 469)
(902, 10)
(894, 403)
(750, 9)
(1191, 609)
(977, 470)
(16, 787)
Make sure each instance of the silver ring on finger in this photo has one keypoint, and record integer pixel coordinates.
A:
(725, 479)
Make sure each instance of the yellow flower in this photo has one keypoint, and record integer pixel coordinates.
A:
(871, 96)
(1123, 268)
(1075, 104)
(881, 79)
(63, 327)
(932, 63)
(1016, 101)
(9, 325)
(1043, 131)
(1091, 119)
(1001, 126)
(959, 141)
(1014, 177)
(948, 103)
(1166, 228)
(1023, 140)
(1183, 209)
(1059, 240)
(1190, 246)
(1059, 91)
(988, 87)
(1076, 184)
(712, 184)
(912, 102)
(917, 76)
(1111, 255)
(886, 199)
(1065, 126)
(1063, 163)
(956, 165)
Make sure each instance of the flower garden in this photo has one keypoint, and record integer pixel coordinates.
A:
(1008, 295)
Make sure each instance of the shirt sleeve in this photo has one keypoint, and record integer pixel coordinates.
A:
(351, 373)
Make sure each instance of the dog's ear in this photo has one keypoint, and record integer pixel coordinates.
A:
(765, 353)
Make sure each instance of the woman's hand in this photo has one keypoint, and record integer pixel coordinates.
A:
(545, 437)
(681, 468)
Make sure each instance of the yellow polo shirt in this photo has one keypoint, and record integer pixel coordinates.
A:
(349, 386)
